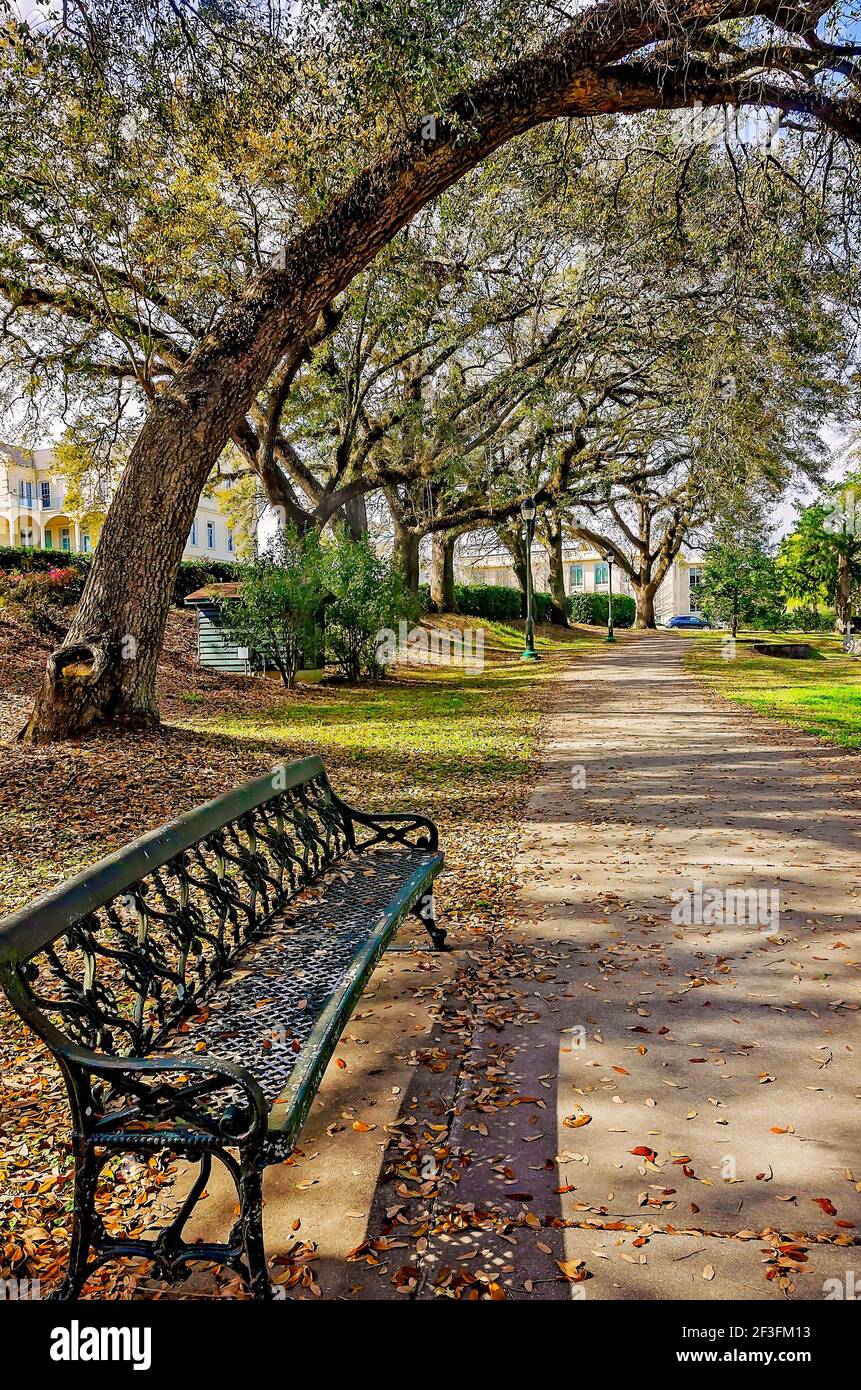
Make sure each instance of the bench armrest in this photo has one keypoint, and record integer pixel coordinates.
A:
(176, 1091)
(392, 827)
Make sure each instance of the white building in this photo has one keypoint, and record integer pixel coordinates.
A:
(585, 571)
(33, 511)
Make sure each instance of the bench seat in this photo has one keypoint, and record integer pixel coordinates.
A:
(303, 977)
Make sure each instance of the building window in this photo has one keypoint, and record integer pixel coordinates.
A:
(45, 494)
(193, 537)
(49, 541)
(230, 540)
(575, 576)
(27, 536)
(210, 536)
(65, 539)
(602, 573)
(695, 579)
(26, 492)
(85, 541)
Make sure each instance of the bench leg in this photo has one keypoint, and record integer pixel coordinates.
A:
(170, 1243)
(250, 1187)
(425, 910)
(83, 1224)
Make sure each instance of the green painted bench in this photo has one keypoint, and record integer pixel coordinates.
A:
(192, 988)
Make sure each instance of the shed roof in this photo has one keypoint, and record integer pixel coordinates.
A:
(217, 593)
(213, 592)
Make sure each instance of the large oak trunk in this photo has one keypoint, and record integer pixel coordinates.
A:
(442, 573)
(105, 669)
(356, 516)
(843, 594)
(514, 540)
(558, 598)
(406, 557)
(644, 595)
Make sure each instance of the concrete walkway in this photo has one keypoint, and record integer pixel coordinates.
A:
(727, 1055)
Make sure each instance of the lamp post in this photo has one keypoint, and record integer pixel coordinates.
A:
(608, 556)
(527, 511)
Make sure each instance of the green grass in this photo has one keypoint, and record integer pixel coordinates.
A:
(822, 696)
(428, 722)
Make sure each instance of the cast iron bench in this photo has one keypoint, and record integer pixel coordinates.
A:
(192, 988)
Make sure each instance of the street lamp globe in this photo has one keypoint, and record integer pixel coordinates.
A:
(528, 509)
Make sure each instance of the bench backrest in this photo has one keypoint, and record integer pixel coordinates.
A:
(111, 958)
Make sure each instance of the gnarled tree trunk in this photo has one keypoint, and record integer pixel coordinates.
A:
(356, 516)
(105, 669)
(406, 556)
(644, 596)
(843, 593)
(442, 572)
(514, 541)
(550, 531)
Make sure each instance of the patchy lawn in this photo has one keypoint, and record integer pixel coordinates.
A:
(454, 743)
(822, 695)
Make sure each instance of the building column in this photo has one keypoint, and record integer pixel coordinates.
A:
(76, 535)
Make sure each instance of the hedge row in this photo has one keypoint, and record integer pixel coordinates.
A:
(594, 609)
(494, 601)
(193, 574)
(479, 600)
(491, 601)
(501, 602)
(26, 558)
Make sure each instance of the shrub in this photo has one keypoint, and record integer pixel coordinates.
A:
(367, 597)
(27, 559)
(193, 574)
(495, 601)
(196, 574)
(593, 609)
(806, 619)
(543, 606)
(488, 601)
(279, 604)
(36, 594)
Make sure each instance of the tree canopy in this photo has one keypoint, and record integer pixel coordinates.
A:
(189, 193)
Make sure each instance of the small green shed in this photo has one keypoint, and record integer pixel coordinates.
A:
(214, 646)
(217, 648)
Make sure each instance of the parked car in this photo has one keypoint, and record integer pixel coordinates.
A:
(686, 620)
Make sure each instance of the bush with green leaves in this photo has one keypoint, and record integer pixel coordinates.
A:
(278, 611)
(488, 601)
(543, 607)
(192, 574)
(808, 619)
(497, 601)
(593, 609)
(196, 574)
(36, 597)
(366, 596)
